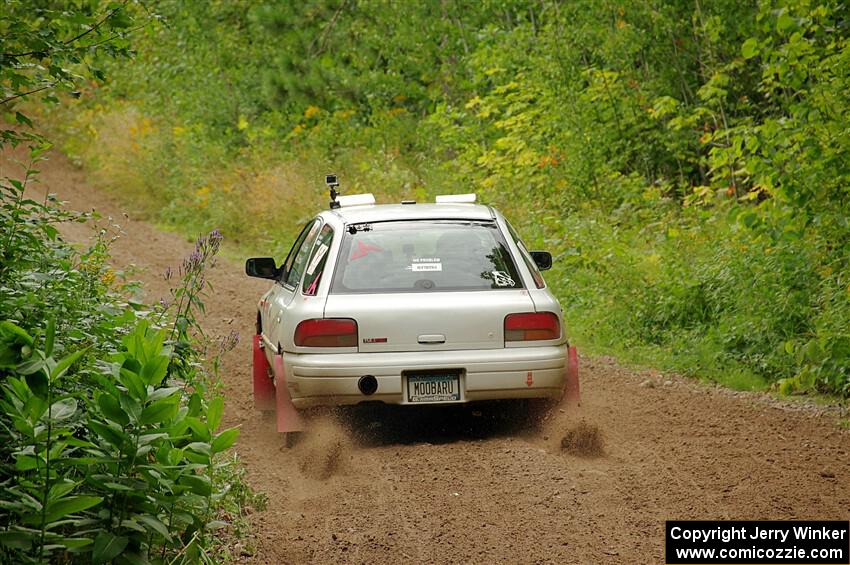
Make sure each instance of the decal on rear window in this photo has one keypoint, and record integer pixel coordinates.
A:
(418, 267)
(501, 278)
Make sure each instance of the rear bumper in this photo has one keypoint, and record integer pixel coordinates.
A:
(331, 379)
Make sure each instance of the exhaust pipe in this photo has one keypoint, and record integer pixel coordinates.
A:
(367, 385)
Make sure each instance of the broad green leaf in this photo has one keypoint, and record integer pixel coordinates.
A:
(113, 436)
(155, 370)
(785, 22)
(60, 489)
(224, 440)
(145, 439)
(117, 486)
(31, 366)
(63, 409)
(750, 48)
(112, 409)
(195, 404)
(162, 393)
(199, 427)
(199, 484)
(155, 524)
(214, 412)
(107, 546)
(199, 446)
(63, 507)
(73, 543)
(134, 384)
(13, 332)
(35, 408)
(133, 525)
(66, 362)
(18, 539)
(159, 411)
(26, 462)
(132, 364)
(131, 406)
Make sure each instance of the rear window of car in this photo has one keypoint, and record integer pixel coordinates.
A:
(424, 256)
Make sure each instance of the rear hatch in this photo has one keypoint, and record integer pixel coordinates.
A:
(419, 285)
(437, 321)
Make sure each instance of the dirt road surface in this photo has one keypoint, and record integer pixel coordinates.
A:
(452, 487)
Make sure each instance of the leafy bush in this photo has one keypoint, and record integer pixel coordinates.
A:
(107, 424)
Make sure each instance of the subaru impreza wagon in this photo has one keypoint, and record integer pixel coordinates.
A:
(411, 304)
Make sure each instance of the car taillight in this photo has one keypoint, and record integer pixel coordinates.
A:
(532, 326)
(326, 332)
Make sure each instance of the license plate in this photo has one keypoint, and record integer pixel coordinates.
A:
(433, 387)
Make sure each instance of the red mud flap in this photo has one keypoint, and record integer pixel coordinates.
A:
(572, 395)
(288, 419)
(264, 395)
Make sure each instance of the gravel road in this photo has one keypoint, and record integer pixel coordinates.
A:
(450, 486)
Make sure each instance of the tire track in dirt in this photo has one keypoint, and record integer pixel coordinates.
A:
(446, 486)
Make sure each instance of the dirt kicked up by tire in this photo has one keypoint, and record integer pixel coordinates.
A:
(434, 486)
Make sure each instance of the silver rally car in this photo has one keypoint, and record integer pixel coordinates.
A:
(409, 304)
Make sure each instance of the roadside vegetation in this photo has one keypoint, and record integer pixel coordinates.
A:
(686, 162)
(110, 441)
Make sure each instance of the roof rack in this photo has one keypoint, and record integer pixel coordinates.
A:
(456, 199)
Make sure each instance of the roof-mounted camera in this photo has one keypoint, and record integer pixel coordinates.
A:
(333, 184)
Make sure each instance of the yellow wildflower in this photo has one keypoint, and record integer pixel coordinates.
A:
(311, 111)
(108, 277)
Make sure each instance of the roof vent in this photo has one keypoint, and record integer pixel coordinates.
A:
(355, 200)
(456, 199)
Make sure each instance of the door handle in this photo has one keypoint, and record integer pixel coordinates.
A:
(431, 339)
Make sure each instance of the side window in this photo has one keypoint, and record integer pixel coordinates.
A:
(316, 266)
(526, 257)
(294, 265)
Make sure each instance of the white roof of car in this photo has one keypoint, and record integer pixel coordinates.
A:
(384, 212)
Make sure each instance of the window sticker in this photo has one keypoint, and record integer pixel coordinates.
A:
(421, 264)
(501, 278)
(418, 267)
(317, 258)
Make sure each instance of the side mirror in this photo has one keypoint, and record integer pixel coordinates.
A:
(261, 267)
(543, 259)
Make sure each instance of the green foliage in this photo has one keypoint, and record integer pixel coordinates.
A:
(45, 48)
(109, 440)
(685, 161)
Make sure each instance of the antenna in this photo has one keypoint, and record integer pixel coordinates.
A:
(333, 184)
